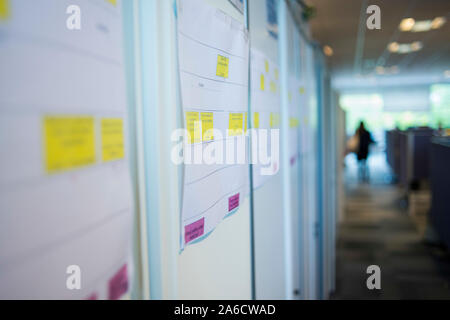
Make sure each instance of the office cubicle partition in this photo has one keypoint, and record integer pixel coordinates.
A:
(440, 175)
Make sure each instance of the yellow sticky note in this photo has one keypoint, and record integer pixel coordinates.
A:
(293, 122)
(207, 126)
(276, 74)
(256, 120)
(112, 139)
(245, 122)
(273, 87)
(274, 120)
(193, 126)
(266, 64)
(69, 142)
(5, 10)
(302, 90)
(222, 66)
(236, 124)
(263, 83)
(113, 2)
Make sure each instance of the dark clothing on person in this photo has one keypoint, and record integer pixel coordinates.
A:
(362, 151)
(365, 140)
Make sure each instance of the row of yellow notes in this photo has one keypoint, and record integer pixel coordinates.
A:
(70, 141)
(200, 125)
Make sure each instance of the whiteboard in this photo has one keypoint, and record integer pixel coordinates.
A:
(268, 221)
(65, 193)
(217, 267)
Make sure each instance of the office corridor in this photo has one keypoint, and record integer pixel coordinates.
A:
(377, 230)
(207, 150)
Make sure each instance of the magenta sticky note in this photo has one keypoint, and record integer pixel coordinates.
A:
(293, 160)
(118, 284)
(194, 230)
(233, 202)
(93, 296)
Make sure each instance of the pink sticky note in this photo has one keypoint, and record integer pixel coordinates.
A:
(93, 296)
(293, 160)
(118, 284)
(233, 202)
(194, 230)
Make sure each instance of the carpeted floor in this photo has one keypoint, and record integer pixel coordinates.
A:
(377, 230)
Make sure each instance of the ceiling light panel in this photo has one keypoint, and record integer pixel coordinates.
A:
(411, 25)
(438, 22)
(407, 24)
(403, 48)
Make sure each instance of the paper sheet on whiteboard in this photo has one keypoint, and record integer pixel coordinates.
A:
(265, 100)
(65, 191)
(213, 68)
(295, 92)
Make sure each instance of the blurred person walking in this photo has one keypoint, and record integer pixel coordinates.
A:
(362, 151)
